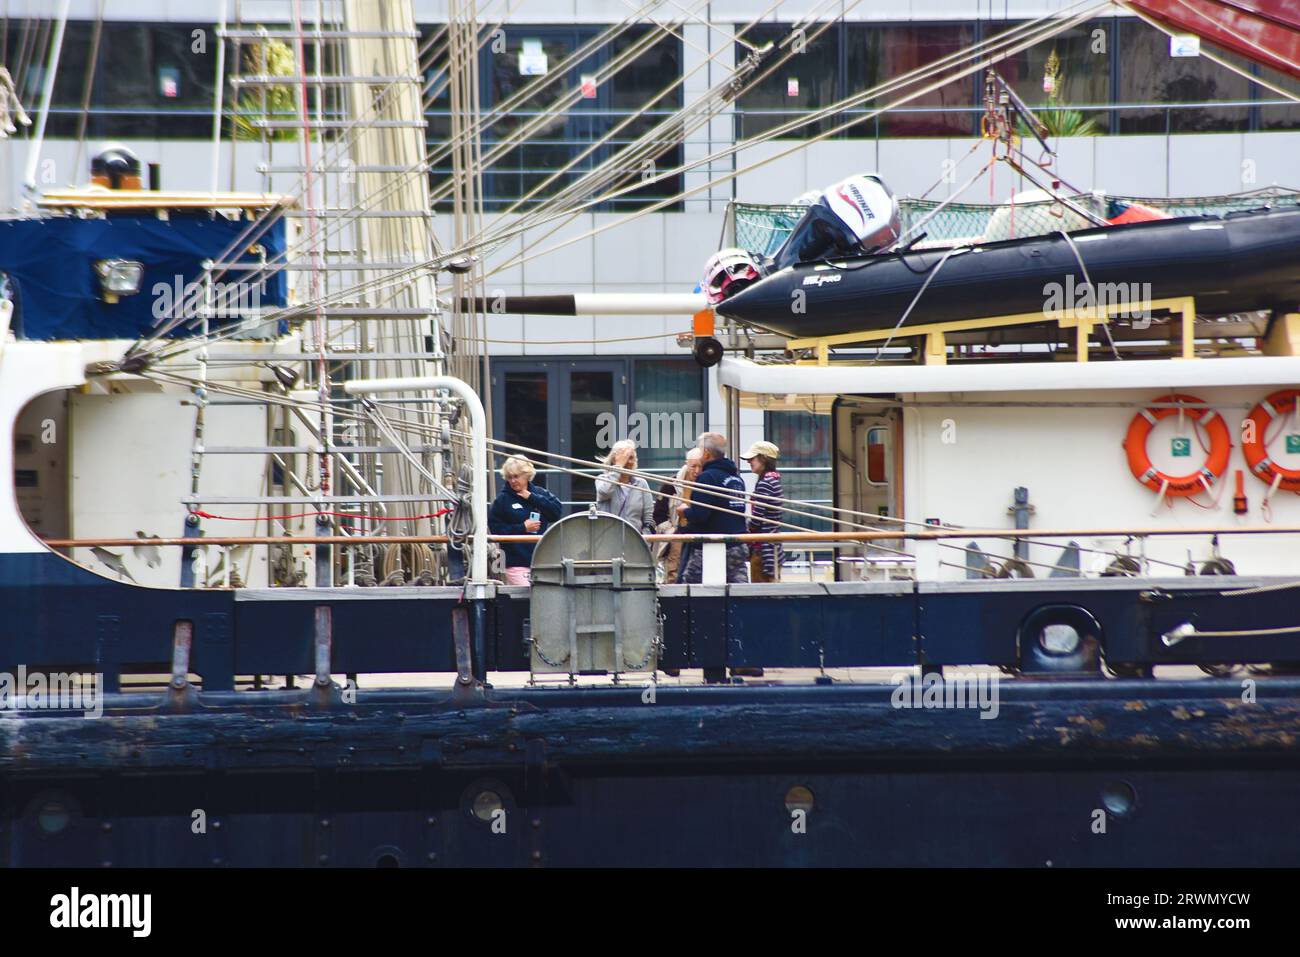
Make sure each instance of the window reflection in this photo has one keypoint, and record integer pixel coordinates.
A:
(146, 80)
(806, 81)
(669, 396)
(155, 81)
(1107, 67)
(877, 54)
(525, 413)
(1148, 74)
(565, 132)
(1079, 62)
(805, 465)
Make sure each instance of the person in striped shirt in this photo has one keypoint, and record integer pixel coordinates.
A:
(765, 512)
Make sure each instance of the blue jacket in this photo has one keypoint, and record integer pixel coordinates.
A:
(722, 474)
(508, 514)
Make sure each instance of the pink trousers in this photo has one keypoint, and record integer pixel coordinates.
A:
(518, 575)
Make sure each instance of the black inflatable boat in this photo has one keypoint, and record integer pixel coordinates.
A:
(1232, 263)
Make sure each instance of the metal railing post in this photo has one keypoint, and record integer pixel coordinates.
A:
(476, 585)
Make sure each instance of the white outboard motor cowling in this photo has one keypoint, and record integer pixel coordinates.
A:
(855, 217)
(868, 208)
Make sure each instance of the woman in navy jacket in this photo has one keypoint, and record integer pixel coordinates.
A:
(513, 514)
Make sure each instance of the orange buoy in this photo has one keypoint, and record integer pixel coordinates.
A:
(1256, 450)
(1178, 486)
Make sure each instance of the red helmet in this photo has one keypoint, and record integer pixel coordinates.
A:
(726, 273)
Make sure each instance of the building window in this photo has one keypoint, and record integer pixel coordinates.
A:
(1160, 93)
(1067, 79)
(1276, 112)
(1111, 75)
(876, 54)
(668, 396)
(805, 82)
(581, 407)
(562, 135)
(146, 80)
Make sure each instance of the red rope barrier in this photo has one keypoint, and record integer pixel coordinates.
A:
(347, 515)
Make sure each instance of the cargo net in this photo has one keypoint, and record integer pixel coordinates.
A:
(762, 229)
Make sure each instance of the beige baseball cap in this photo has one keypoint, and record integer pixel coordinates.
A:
(766, 449)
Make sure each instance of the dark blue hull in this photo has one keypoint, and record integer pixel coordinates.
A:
(1175, 774)
(1075, 770)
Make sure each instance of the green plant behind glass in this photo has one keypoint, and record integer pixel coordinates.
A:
(281, 103)
(1059, 121)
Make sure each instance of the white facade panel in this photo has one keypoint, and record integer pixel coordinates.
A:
(505, 335)
(911, 167)
(1133, 165)
(1205, 166)
(782, 175)
(561, 252)
(631, 253)
(620, 335)
(1269, 159)
(689, 239)
(558, 335)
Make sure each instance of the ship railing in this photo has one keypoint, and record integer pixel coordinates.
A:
(870, 555)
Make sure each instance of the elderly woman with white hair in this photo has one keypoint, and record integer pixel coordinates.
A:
(620, 493)
(521, 508)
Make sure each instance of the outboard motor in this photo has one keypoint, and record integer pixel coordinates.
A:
(856, 217)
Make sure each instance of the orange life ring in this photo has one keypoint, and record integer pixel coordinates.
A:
(1178, 486)
(1256, 451)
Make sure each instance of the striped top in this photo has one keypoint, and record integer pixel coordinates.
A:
(764, 514)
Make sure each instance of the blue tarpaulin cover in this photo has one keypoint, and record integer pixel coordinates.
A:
(51, 268)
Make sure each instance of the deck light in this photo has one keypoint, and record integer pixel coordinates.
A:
(118, 277)
(1059, 639)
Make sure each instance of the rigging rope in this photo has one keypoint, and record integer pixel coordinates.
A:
(996, 48)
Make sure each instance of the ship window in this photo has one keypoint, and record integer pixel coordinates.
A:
(805, 464)
(876, 453)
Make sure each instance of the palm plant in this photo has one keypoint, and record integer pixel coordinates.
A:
(270, 58)
(1058, 121)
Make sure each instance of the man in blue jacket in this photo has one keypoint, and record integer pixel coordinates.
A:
(720, 512)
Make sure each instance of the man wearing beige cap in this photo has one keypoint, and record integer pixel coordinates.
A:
(765, 511)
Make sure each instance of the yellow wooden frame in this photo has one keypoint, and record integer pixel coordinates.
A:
(936, 347)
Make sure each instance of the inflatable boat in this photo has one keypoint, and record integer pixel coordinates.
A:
(1231, 263)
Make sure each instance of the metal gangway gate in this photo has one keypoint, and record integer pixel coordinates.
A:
(593, 607)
